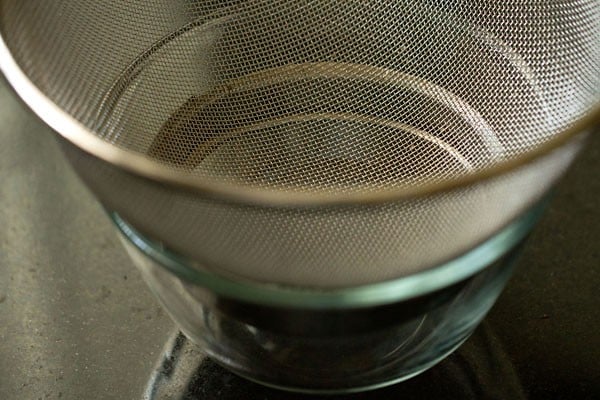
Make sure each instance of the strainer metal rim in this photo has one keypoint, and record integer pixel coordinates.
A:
(367, 295)
(82, 137)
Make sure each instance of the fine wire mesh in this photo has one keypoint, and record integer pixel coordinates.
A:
(316, 96)
(323, 247)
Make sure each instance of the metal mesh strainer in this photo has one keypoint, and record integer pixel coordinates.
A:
(312, 143)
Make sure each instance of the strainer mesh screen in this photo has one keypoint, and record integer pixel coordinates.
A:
(316, 96)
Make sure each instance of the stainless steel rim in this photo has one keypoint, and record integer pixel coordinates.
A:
(79, 135)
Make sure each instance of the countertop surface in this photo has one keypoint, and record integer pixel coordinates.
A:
(77, 322)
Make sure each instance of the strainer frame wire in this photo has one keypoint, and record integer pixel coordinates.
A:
(82, 137)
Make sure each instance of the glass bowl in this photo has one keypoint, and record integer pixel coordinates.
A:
(331, 341)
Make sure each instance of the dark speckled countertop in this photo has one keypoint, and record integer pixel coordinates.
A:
(77, 322)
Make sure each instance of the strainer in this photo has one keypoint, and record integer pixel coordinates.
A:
(318, 144)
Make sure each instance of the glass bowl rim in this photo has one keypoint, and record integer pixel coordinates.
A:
(369, 295)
